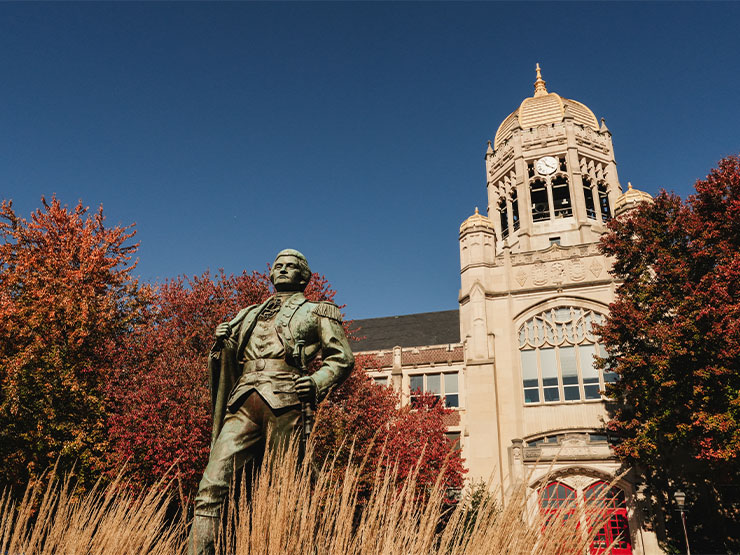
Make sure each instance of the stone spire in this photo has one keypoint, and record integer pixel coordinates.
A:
(539, 85)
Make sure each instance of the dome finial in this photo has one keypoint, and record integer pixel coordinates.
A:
(476, 209)
(539, 84)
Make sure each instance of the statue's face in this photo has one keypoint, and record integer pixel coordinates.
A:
(286, 274)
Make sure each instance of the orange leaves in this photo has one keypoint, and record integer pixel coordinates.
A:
(66, 299)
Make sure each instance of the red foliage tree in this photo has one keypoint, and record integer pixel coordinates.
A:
(673, 337)
(368, 418)
(66, 301)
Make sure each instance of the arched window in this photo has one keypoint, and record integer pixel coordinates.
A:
(514, 210)
(557, 350)
(606, 211)
(561, 197)
(557, 499)
(504, 218)
(588, 194)
(616, 530)
(540, 204)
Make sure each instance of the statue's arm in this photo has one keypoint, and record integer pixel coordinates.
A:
(223, 372)
(337, 359)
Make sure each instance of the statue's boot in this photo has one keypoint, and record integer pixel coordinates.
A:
(203, 535)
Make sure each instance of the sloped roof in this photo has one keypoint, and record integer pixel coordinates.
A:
(409, 330)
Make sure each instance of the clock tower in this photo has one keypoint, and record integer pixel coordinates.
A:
(551, 174)
(532, 284)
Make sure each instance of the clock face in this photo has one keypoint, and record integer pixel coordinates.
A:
(546, 165)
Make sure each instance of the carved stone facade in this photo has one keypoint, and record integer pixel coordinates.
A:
(533, 282)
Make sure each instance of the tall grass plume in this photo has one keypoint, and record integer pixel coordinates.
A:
(296, 508)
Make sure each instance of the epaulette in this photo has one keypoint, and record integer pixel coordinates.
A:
(328, 310)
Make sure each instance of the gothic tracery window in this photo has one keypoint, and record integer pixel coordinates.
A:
(557, 349)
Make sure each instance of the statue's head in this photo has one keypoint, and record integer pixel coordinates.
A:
(290, 271)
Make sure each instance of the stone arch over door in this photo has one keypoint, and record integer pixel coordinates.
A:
(583, 480)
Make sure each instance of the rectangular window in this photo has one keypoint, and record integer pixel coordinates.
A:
(606, 213)
(540, 204)
(515, 211)
(416, 384)
(503, 216)
(434, 385)
(549, 363)
(454, 439)
(589, 371)
(440, 385)
(381, 380)
(529, 376)
(609, 376)
(589, 196)
(452, 396)
(561, 197)
(571, 390)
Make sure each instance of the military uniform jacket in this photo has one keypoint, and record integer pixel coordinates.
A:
(317, 325)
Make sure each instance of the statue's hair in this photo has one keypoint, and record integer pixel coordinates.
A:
(302, 263)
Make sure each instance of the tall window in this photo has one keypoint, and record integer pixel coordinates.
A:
(504, 218)
(616, 528)
(557, 349)
(588, 194)
(514, 210)
(439, 384)
(561, 197)
(606, 212)
(540, 204)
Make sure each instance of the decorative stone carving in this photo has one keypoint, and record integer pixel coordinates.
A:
(595, 268)
(521, 277)
(539, 274)
(577, 270)
(558, 272)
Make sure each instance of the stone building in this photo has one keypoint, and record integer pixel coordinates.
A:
(516, 360)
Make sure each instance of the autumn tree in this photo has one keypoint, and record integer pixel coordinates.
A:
(67, 299)
(673, 338)
(367, 421)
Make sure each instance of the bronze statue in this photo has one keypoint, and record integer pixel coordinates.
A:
(256, 377)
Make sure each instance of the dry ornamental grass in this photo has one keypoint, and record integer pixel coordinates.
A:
(296, 510)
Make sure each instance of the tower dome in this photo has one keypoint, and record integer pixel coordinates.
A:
(477, 221)
(544, 108)
(630, 199)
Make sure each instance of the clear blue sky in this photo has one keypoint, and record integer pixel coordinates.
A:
(353, 132)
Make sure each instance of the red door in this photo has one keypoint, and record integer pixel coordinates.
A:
(616, 530)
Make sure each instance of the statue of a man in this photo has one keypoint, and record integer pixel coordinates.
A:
(256, 382)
